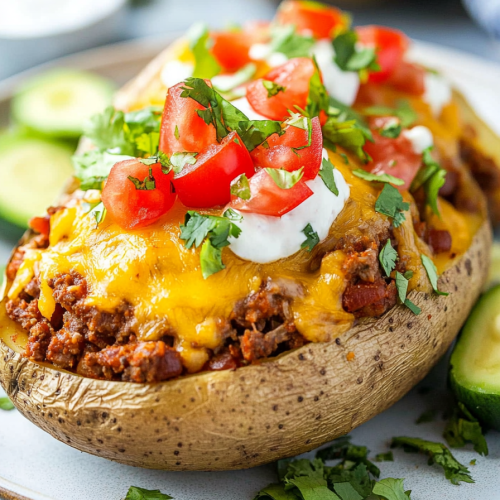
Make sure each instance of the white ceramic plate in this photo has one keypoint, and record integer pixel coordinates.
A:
(35, 466)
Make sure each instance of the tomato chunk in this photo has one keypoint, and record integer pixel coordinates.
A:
(181, 127)
(294, 76)
(280, 153)
(408, 77)
(207, 183)
(313, 17)
(392, 156)
(269, 199)
(132, 208)
(40, 225)
(391, 46)
(231, 49)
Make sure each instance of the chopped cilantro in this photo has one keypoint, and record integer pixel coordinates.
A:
(368, 176)
(241, 188)
(472, 462)
(317, 99)
(406, 114)
(391, 130)
(326, 174)
(176, 133)
(432, 274)
(272, 88)
(312, 238)
(98, 213)
(225, 117)
(205, 64)
(6, 404)
(432, 177)
(284, 179)
(462, 428)
(214, 232)
(391, 489)
(180, 159)
(390, 203)
(349, 57)
(402, 289)
(148, 184)
(387, 258)
(438, 454)
(135, 493)
(345, 158)
(384, 457)
(412, 307)
(286, 40)
(426, 416)
(346, 128)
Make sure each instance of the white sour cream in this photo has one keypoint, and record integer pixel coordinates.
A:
(437, 92)
(343, 85)
(244, 106)
(174, 72)
(263, 52)
(265, 238)
(420, 137)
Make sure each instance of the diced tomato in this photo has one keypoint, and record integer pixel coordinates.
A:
(132, 208)
(313, 17)
(408, 77)
(181, 127)
(392, 156)
(294, 76)
(269, 199)
(391, 46)
(207, 183)
(231, 49)
(281, 152)
(40, 225)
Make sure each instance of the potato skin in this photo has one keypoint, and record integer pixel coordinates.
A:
(259, 413)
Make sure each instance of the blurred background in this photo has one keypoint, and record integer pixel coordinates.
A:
(35, 32)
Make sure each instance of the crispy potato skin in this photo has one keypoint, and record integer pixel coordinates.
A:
(260, 413)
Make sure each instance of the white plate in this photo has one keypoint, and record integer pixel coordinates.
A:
(35, 466)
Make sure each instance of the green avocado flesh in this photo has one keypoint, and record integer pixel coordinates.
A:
(59, 102)
(475, 362)
(32, 175)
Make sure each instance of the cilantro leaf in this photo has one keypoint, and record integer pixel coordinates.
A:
(214, 232)
(148, 143)
(462, 428)
(317, 98)
(349, 57)
(135, 493)
(368, 176)
(225, 117)
(391, 130)
(241, 188)
(426, 416)
(432, 274)
(272, 88)
(6, 404)
(286, 40)
(205, 65)
(345, 113)
(434, 184)
(148, 184)
(276, 492)
(313, 488)
(412, 307)
(390, 203)
(346, 491)
(438, 454)
(384, 457)
(406, 114)
(387, 258)
(312, 238)
(326, 174)
(179, 160)
(284, 179)
(99, 213)
(391, 489)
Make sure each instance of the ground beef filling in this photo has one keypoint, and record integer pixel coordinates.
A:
(103, 345)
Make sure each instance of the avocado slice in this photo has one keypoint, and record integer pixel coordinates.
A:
(475, 362)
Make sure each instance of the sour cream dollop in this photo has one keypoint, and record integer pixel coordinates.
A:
(437, 92)
(420, 137)
(265, 239)
(343, 85)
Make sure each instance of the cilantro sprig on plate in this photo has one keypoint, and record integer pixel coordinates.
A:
(136, 493)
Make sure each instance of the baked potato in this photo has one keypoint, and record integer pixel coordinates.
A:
(138, 329)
